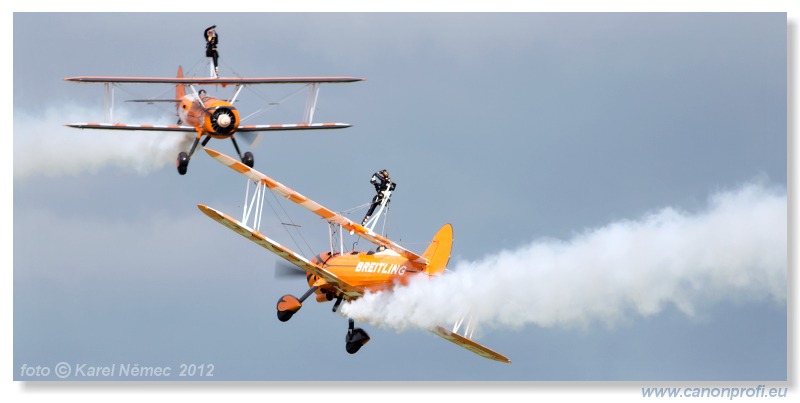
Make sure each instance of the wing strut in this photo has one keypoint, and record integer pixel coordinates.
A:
(311, 103)
(372, 221)
(254, 206)
(239, 88)
(469, 329)
(108, 102)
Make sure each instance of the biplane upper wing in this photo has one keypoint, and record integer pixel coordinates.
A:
(469, 344)
(349, 291)
(191, 129)
(314, 207)
(211, 80)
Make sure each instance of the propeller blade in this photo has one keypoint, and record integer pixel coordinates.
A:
(250, 138)
(284, 269)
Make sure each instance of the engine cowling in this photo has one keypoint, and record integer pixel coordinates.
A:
(221, 120)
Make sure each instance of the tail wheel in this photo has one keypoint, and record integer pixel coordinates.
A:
(182, 162)
(355, 339)
(248, 159)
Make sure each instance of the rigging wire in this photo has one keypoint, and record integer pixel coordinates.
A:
(270, 105)
(162, 95)
(284, 227)
(291, 223)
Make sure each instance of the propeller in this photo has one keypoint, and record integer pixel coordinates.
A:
(222, 120)
(284, 269)
(250, 138)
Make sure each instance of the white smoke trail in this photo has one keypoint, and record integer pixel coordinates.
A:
(43, 146)
(735, 250)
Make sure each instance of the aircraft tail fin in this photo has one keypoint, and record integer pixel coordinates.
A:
(180, 90)
(438, 252)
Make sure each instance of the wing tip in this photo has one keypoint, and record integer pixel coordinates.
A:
(470, 345)
(213, 153)
(206, 210)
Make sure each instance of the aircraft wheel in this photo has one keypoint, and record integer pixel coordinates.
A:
(287, 306)
(355, 339)
(182, 162)
(284, 316)
(248, 159)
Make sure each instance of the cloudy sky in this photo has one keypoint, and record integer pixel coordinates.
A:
(646, 154)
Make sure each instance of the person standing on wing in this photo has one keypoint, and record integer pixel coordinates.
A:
(382, 183)
(212, 39)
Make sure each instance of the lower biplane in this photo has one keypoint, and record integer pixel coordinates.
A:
(209, 117)
(345, 275)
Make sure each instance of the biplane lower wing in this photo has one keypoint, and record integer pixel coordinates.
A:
(122, 126)
(292, 126)
(470, 345)
(315, 207)
(349, 291)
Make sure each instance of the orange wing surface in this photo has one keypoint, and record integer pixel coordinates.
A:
(192, 129)
(470, 345)
(123, 126)
(211, 80)
(316, 208)
(291, 126)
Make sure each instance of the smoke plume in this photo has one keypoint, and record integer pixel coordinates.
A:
(734, 250)
(43, 146)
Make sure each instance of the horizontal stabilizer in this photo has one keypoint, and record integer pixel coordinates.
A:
(470, 345)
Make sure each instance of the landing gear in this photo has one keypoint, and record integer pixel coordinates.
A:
(355, 338)
(288, 305)
(247, 158)
(182, 162)
(183, 158)
(337, 303)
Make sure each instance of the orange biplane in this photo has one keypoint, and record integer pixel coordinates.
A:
(209, 117)
(344, 275)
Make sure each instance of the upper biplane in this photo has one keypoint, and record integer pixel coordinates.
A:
(339, 274)
(210, 117)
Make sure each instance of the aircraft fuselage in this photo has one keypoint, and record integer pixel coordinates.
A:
(367, 271)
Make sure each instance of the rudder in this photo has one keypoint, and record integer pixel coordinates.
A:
(180, 90)
(438, 252)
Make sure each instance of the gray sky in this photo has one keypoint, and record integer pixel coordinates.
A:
(512, 127)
